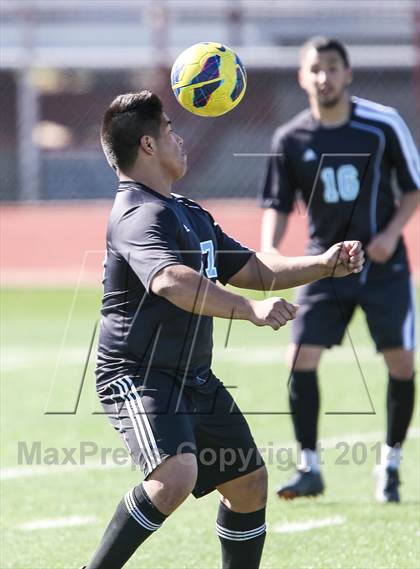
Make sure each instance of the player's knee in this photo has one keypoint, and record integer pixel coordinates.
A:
(178, 489)
(400, 363)
(183, 476)
(259, 486)
(303, 357)
(248, 493)
(172, 482)
(401, 371)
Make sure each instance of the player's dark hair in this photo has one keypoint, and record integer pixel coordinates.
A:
(127, 119)
(321, 43)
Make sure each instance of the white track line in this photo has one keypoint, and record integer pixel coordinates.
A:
(293, 527)
(14, 473)
(52, 523)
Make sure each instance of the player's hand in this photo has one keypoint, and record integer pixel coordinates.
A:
(381, 247)
(344, 258)
(274, 312)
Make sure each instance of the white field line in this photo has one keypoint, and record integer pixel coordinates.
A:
(293, 527)
(277, 354)
(371, 437)
(14, 473)
(52, 523)
(43, 470)
(349, 438)
(13, 358)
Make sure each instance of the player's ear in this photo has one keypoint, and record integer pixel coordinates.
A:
(301, 78)
(349, 76)
(147, 144)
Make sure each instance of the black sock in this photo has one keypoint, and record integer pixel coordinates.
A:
(135, 519)
(304, 405)
(241, 536)
(400, 405)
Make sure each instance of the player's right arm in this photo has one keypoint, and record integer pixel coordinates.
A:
(277, 196)
(273, 228)
(192, 292)
(146, 237)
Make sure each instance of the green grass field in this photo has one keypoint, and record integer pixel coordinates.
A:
(353, 532)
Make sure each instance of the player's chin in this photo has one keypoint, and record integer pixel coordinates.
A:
(181, 170)
(329, 100)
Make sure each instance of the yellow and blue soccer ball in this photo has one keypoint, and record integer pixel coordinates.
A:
(208, 79)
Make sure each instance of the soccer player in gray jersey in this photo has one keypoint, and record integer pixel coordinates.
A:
(341, 154)
(165, 255)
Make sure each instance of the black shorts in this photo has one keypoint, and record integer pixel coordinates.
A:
(386, 297)
(157, 419)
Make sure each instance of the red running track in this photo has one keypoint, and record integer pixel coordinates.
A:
(59, 243)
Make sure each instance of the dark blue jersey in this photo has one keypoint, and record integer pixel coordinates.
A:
(344, 174)
(139, 330)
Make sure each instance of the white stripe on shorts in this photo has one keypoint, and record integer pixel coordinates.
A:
(140, 423)
(409, 325)
(142, 415)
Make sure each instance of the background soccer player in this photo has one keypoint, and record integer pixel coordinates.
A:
(164, 256)
(341, 154)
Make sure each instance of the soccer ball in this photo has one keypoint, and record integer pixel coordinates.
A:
(208, 79)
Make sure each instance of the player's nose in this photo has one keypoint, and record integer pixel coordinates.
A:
(322, 77)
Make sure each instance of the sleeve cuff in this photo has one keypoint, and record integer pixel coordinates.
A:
(155, 270)
(270, 203)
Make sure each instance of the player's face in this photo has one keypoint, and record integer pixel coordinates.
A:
(172, 155)
(324, 77)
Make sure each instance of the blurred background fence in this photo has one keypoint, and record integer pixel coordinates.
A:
(62, 62)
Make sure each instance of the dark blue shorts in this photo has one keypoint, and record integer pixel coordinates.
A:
(157, 419)
(386, 297)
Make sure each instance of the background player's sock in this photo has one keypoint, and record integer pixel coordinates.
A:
(241, 536)
(308, 460)
(134, 520)
(390, 457)
(400, 405)
(304, 405)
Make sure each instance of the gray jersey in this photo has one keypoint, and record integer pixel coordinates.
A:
(141, 331)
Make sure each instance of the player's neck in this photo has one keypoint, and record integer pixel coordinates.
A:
(156, 181)
(335, 116)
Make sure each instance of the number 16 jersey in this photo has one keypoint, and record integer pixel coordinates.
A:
(344, 174)
(140, 331)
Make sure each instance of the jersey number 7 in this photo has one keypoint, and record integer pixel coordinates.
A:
(207, 248)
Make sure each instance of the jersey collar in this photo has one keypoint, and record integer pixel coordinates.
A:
(137, 186)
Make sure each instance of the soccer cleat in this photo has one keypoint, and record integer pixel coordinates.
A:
(304, 483)
(387, 483)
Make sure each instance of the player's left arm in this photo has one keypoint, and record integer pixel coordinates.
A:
(383, 245)
(405, 159)
(271, 271)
